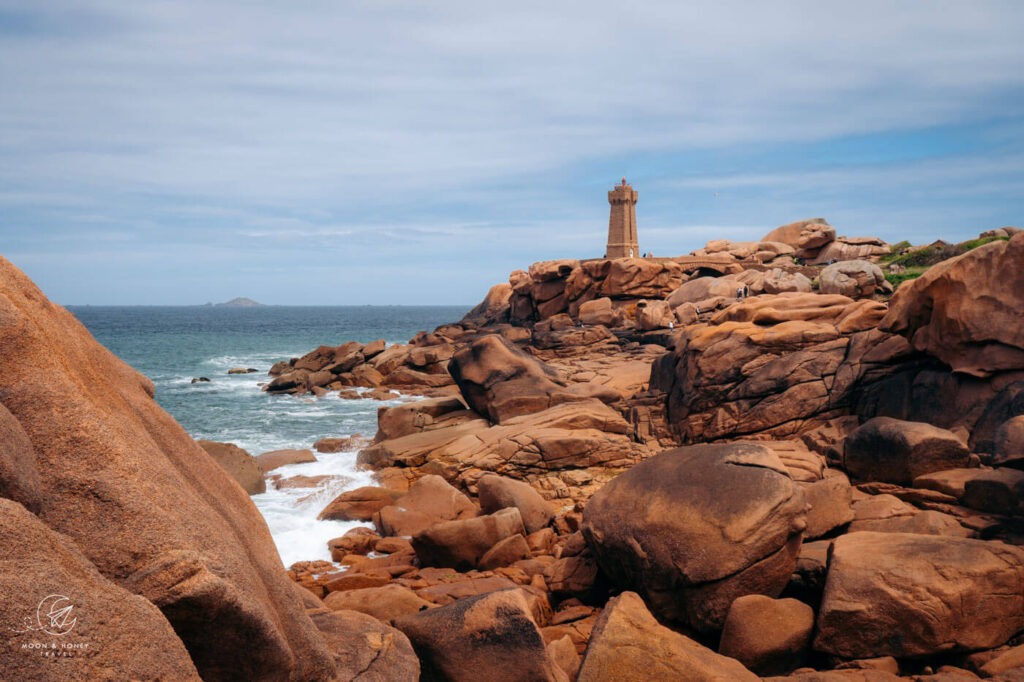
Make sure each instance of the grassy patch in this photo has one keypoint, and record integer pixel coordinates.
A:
(975, 243)
(930, 255)
(894, 251)
(897, 278)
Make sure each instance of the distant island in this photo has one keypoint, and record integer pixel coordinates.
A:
(238, 303)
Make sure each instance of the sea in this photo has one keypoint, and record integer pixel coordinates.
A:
(173, 345)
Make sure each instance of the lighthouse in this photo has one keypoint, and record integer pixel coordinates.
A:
(622, 242)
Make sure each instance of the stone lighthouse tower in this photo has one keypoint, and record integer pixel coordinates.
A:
(622, 241)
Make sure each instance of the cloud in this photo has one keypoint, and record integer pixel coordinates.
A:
(490, 131)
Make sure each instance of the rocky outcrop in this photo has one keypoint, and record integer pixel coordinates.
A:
(569, 436)
(500, 381)
(853, 279)
(499, 492)
(966, 311)
(763, 251)
(461, 544)
(145, 504)
(895, 594)
(429, 501)
(1009, 443)
(815, 242)
(494, 309)
(768, 636)
(385, 603)
(493, 637)
(268, 461)
(19, 477)
(693, 528)
(896, 451)
(238, 463)
(366, 650)
(359, 504)
(628, 644)
(774, 365)
(419, 368)
(108, 627)
(807, 237)
(850, 248)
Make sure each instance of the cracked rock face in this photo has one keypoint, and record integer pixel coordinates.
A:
(773, 365)
(897, 594)
(695, 527)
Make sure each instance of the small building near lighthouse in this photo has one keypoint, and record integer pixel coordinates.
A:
(622, 241)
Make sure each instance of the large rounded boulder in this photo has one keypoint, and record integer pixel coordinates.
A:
(966, 311)
(501, 382)
(853, 278)
(696, 527)
(906, 595)
(897, 451)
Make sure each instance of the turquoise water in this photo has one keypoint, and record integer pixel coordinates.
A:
(171, 345)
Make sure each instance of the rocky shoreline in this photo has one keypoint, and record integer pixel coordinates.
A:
(756, 461)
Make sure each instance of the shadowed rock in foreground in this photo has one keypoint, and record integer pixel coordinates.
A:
(145, 505)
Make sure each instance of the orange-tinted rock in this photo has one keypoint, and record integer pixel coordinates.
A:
(354, 581)
(461, 586)
(851, 675)
(274, 459)
(461, 544)
(995, 490)
(829, 505)
(366, 650)
(654, 315)
(641, 278)
(121, 633)
(894, 594)
(429, 501)
(563, 654)
(500, 492)
(701, 289)
(384, 603)
(359, 504)
(374, 348)
(19, 478)
(145, 503)
(951, 481)
(239, 464)
(896, 451)
(573, 576)
(1009, 443)
(806, 236)
(773, 365)
(491, 637)
(768, 636)
(629, 645)
(330, 445)
(493, 309)
(693, 528)
(414, 417)
(505, 552)
(500, 381)
(966, 311)
(356, 541)
(599, 311)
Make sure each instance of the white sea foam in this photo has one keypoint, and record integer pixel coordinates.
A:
(291, 513)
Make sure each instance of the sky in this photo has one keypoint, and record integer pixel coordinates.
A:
(384, 152)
